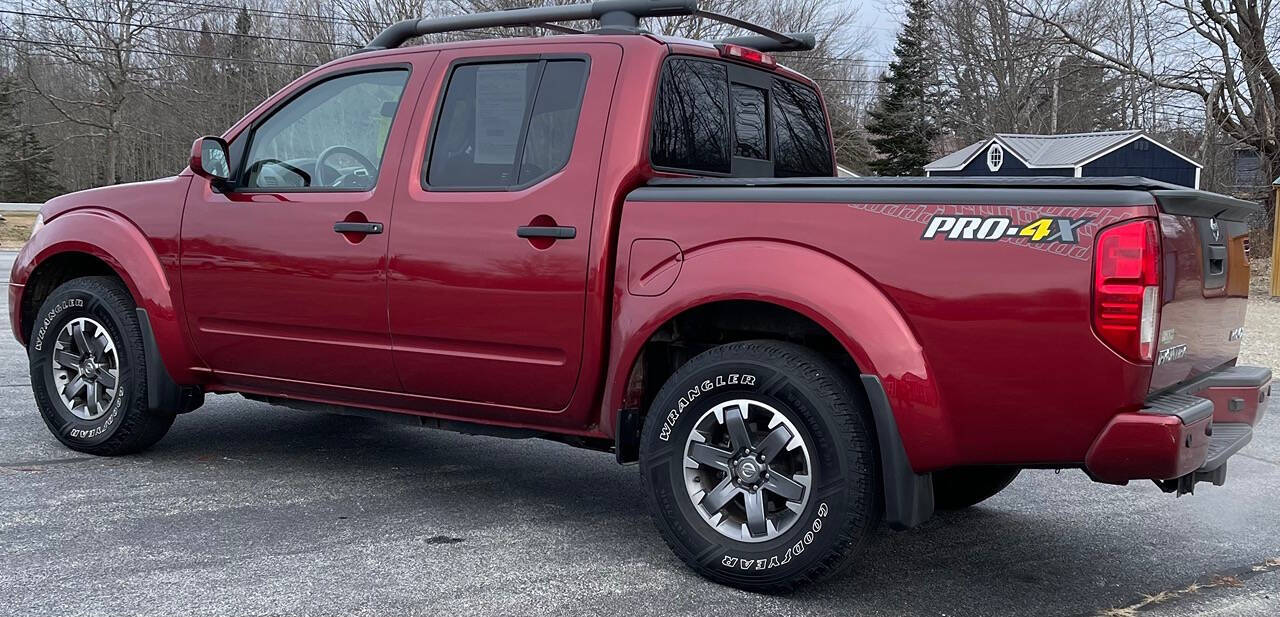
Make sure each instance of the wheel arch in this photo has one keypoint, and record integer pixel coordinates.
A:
(96, 242)
(832, 308)
(52, 272)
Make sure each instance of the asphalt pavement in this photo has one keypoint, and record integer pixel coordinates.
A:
(249, 509)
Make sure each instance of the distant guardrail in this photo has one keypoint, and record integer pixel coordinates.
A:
(10, 207)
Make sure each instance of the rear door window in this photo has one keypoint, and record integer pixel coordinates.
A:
(506, 124)
(728, 119)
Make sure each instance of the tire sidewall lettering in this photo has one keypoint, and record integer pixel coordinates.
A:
(798, 549)
(694, 393)
(774, 561)
(78, 304)
(50, 318)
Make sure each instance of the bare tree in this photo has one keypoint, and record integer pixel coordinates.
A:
(107, 43)
(134, 81)
(1217, 51)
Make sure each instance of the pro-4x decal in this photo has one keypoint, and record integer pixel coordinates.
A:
(922, 216)
(1045, 229)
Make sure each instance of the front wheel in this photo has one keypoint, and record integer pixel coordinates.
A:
(759, 466)
(88, 369)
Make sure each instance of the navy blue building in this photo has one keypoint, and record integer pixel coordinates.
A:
(1080, 155)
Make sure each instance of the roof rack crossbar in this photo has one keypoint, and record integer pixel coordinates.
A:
(613, 16)
(769, 39)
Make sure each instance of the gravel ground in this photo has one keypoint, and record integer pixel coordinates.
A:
(247, 509)
(1261, 345)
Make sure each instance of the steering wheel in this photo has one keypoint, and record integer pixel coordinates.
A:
(332, 150)
(261, 169)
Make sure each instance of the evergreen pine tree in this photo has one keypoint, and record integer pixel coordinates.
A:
(903, 124)
(8, 134)
(240, 72)
(28, 176)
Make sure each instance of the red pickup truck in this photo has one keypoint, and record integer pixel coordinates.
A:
(636, 244)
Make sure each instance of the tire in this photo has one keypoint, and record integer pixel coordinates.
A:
(955, 489)
(801, 540)
(108, 348)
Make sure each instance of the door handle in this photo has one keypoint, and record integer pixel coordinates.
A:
(353, 227)
(557, 233)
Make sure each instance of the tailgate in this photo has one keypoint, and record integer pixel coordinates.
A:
(1205, 284)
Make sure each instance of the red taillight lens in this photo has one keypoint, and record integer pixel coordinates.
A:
(746, 54)
(1126, 288)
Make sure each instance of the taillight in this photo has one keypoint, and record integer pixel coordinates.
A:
(1126, 288)
(746, 54)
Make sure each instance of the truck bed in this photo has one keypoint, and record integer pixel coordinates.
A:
(1006, 325)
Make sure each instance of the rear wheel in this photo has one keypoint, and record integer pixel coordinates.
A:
(759, 465)
(954, 489)
(88, 370)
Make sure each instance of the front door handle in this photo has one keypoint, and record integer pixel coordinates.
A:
(353, 227)
(556, 233)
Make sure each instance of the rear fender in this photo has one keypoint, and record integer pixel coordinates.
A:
(111, 238)
(823, 288)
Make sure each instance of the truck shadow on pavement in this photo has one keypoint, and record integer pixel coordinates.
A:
(1022, 549)
(245, 491)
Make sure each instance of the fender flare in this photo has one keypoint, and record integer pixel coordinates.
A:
(911, 426)
(123, 247)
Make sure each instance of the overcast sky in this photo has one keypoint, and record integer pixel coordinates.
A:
(880, 19)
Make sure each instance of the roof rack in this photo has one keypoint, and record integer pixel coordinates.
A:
(614, 16)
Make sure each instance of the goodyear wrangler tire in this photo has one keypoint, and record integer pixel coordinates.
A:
(955, 489)
(88, 370)
(759, 466)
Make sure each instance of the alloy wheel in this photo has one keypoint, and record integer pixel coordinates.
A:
(747, 470)
(86, 368)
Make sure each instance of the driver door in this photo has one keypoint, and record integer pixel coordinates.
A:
(284, 272)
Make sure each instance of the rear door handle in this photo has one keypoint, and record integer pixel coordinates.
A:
(350, 227)
(558, 233)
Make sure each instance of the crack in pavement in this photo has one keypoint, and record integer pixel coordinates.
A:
(1231, 579)
(1260, 460)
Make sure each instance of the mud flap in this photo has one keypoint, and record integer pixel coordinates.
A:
(908, 496)
(163, 393)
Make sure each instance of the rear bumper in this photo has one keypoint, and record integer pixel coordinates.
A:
(1186, 436)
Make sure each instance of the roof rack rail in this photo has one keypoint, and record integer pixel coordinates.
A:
(615, 16)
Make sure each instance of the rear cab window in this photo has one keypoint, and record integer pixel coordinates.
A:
(724, 119)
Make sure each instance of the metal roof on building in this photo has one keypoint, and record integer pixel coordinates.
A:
(1066, 150)
(959, 158)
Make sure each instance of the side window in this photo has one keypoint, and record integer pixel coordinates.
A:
(331, 137)
(799, 132)
(691, 122)
(506, 124)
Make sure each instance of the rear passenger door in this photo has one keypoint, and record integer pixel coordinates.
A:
(491, 234)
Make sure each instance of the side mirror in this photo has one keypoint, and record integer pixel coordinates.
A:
(209, 159)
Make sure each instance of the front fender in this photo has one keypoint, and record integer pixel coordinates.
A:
(113, 239)
(817, 285)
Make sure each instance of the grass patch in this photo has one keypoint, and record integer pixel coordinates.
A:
(15, 229)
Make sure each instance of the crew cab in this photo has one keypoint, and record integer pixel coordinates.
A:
(636, 243)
